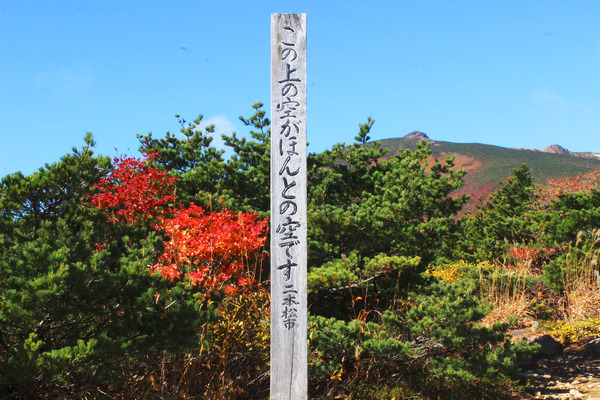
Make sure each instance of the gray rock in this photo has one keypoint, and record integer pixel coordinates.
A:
(548, 345)
(593, 346)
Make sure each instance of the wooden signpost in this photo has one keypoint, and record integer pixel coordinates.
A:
(288, 208)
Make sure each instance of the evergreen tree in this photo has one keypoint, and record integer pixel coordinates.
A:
(78, 306)
(240, 183)
(359, 200)
(198, 165)
(504, 221)
(569, 215)
(248, 174)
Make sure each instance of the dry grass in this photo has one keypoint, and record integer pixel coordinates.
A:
(509, 296)
(582, 301)
(579, 301)
(507, 307)
(581, 278)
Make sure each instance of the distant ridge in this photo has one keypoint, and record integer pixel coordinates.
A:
(556, 149)
(553, 149)
(488, 165)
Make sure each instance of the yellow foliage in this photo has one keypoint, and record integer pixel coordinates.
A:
(243, 326)
(453, 272)
(235, 347)
(575, 331)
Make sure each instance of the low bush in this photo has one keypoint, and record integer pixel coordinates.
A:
(432, 345)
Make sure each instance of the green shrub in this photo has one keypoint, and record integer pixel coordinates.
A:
(435, 347)
(78, 307)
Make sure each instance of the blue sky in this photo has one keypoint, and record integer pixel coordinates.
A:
(509, 73)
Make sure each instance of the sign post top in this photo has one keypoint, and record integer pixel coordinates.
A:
(296, 20)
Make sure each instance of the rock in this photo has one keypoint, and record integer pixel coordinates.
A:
(555, 149)
(417, 135)
(548, 345)
(576, 393)
(593, 346)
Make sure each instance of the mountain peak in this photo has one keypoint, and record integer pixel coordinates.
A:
(417, 135)
(556, 149)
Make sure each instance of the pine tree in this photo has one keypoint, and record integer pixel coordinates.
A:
(78, 306)
(358, 200)
(504, 221)
(205, 177)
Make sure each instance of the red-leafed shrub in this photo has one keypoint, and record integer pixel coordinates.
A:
(210, 249)
(134, 191)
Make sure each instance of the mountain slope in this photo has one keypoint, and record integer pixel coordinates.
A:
(488, 165)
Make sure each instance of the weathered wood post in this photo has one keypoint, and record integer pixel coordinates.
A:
(289, 379)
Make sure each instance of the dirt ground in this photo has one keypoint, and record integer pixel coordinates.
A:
(574, 374)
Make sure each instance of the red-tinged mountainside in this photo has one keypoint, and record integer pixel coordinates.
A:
(488, 165)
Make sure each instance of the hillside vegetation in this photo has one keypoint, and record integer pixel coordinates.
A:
(148, 278)
(488, 165)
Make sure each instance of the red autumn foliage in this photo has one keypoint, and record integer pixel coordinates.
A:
(557, 187)
(134, 191)
(212, 250)
(525, 253)
(533, 257)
